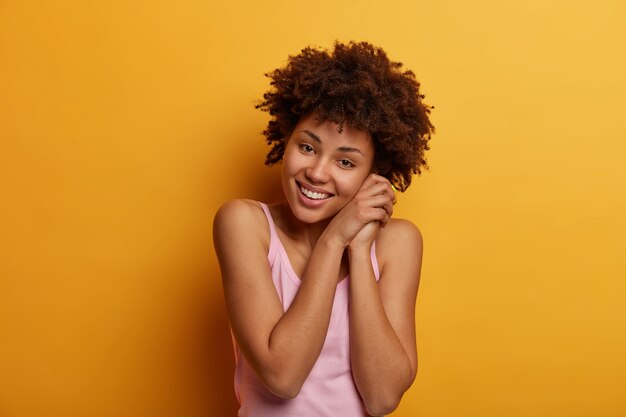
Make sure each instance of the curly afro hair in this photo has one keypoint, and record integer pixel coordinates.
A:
(356, 84)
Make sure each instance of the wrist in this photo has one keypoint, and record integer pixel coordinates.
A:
(359, 249)
(333, 242)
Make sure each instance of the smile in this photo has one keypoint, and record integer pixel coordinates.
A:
(313, 195)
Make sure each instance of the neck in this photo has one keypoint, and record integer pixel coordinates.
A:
(299, 230)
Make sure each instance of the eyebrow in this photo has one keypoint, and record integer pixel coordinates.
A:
(341, 148)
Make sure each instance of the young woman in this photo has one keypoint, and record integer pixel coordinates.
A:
(321, 287)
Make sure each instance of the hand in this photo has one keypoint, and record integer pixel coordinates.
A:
(364, 239)
(373, 203)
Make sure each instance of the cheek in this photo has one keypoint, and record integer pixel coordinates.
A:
(289, 161)
(350, 186)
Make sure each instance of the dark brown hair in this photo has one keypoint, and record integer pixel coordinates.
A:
(355, 84)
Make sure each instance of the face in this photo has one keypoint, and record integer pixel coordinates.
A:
(323, 169)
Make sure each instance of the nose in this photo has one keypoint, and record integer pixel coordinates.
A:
(318, 171)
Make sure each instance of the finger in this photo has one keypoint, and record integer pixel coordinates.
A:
(378, 178)
(370, 180)
(381, 201)
(377, 188)
(389, 191)
(388, 206)
(382, 216)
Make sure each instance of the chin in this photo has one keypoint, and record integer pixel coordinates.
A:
(310, 216)
(306, 216)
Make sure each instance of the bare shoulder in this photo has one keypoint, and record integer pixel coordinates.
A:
(400, 233)
(241, 213)
(399, 242)
(237, 210)
(239, 218)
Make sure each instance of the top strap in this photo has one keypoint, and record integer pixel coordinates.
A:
(274, 240)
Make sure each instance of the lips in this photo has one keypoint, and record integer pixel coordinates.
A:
(313, 193)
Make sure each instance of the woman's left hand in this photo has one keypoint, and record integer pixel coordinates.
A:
(366, 236)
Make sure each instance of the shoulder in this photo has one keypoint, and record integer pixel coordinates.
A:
(399, 239)
(399, 233)
(240, 216)
(240, 209)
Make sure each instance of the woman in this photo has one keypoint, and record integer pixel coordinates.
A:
(320, 288)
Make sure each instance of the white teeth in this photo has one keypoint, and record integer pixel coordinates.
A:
(312, 195)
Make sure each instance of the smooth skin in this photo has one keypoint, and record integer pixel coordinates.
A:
(325, 239)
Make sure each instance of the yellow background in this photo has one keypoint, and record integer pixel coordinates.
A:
(125, 124)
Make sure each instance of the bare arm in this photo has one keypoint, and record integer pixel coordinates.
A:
(282, 347)
(382, 316)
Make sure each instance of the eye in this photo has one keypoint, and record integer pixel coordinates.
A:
(346, 163)
(306, 148)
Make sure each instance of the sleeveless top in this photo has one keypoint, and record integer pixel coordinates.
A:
(329, 390)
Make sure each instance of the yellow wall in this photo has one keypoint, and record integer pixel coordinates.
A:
(125, 124)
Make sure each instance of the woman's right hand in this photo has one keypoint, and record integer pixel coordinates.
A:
(372, 203)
